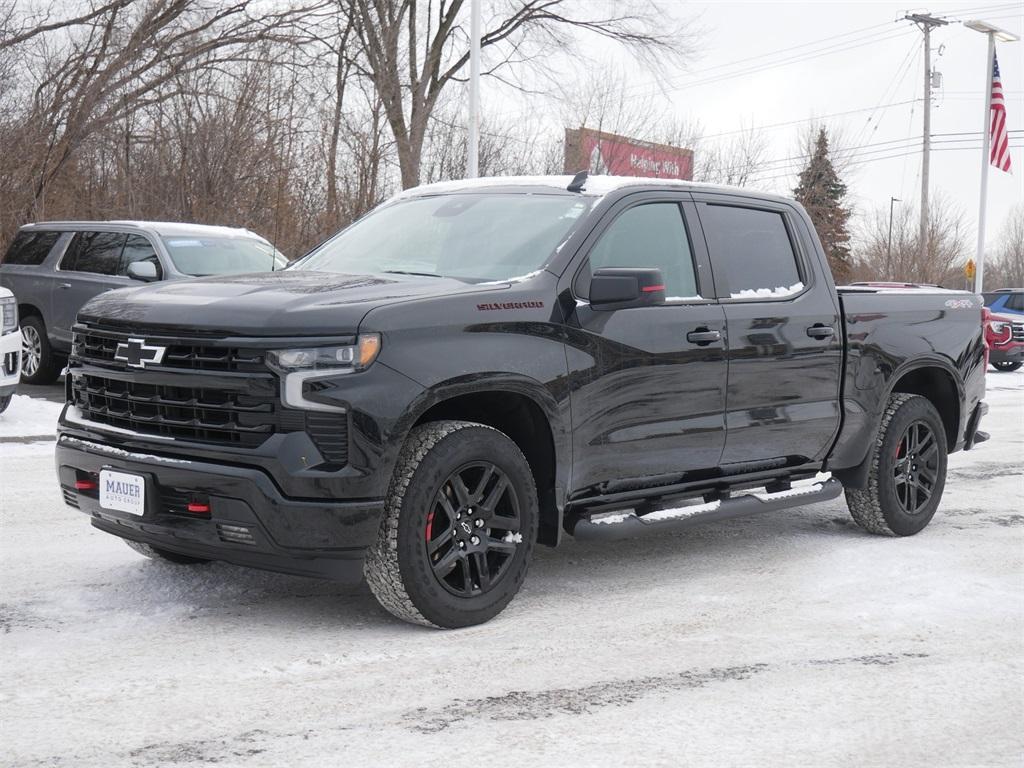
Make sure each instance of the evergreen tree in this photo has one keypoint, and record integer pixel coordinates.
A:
(821, 192)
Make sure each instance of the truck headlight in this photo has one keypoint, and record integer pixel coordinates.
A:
(9, 311)
(1000, 327)
(355, 357)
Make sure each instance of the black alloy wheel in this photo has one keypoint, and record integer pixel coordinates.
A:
(472, 529)
(915, 470)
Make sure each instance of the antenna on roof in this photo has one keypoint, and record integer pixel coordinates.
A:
(580, 179)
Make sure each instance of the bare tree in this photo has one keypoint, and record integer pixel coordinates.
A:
(1006, 267)
(948, 247)
(119, 57)
(414, 51)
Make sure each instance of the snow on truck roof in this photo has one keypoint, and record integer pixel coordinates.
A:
(164, 228)
(594, 186)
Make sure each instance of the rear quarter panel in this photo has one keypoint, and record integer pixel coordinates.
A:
(888, 335)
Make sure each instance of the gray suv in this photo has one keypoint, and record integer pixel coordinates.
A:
(53, 268)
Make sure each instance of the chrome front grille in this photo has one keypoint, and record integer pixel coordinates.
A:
(1018, 330)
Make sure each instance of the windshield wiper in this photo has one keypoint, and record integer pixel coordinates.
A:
(404, 272)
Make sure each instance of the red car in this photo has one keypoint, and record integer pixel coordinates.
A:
(1005, 337)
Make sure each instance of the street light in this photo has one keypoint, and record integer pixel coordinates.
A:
(1002, 35)
(888, 252)
(993, 33)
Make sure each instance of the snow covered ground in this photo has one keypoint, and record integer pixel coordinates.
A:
(28, 417)
(790, 639)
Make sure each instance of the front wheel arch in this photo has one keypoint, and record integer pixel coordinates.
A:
(528, 417)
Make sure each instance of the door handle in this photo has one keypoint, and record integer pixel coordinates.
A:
(703, 336)
(821, 331)
(65, 285)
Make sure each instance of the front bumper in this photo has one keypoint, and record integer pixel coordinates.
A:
(250, 522)
(1009, 353)
(10, 362)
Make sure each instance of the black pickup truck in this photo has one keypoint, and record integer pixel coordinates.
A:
(479, 366)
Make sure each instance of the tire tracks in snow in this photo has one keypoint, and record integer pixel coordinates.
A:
(537, 705)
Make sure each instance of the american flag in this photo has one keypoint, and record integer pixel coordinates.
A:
(1000, 155)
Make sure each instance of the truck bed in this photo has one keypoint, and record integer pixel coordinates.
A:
(889, 333)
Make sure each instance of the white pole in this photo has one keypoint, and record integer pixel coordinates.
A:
(926, 143)
(986, 140)
(473, 144)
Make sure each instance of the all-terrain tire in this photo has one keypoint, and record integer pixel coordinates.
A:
(39, 364)
(156, 553)
(4, 402)
(878, 508)
(398, 567)
(1007, 366)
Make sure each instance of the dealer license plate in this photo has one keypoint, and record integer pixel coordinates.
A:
(122, 492)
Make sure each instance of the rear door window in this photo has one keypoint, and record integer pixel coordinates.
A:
(96, 252)
(30, 248)
(751, 251)
(138, 248)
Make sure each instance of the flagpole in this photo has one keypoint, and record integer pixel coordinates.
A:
(986, 144)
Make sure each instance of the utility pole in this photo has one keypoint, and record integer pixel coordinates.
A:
(888, 252)
(925, 22)
(473, 141)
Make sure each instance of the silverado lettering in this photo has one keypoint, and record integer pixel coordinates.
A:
(512, 305)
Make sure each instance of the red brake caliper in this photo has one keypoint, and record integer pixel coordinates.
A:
(430, 524)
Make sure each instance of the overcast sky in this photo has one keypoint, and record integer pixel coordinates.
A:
(847, 56)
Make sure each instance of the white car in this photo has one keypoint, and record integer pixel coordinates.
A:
(10, 348)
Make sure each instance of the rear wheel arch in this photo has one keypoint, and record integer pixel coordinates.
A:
(527, 423)
(931, 379)
(941, 388)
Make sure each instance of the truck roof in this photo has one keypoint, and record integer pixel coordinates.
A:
(164, 228)
(595, 185)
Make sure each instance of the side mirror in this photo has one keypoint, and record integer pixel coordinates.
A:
(142, 270)
(622, 287)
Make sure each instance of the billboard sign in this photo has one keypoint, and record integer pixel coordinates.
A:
(607, 153)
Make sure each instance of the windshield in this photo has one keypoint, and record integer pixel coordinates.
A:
(476, 237)
(200, 255)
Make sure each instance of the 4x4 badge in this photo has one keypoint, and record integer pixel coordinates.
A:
(138, 354)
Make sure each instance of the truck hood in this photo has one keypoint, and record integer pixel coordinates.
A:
(286, 303)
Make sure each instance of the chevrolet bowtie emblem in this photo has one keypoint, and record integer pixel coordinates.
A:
(138, 354)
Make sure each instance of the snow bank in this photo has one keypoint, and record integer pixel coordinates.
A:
(29, 417)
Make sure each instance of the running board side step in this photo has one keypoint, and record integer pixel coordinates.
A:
(628, 525)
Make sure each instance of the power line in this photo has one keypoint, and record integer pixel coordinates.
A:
(772, 126)
(848, 45)
(674, 84)
(894, 85)
(890, 153)
(764, 179)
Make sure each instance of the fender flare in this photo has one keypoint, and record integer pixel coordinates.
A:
(857, 475)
